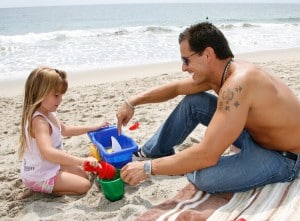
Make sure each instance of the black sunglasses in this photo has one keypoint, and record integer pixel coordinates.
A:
(185, 60)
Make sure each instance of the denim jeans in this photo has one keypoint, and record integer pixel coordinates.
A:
(252, 167)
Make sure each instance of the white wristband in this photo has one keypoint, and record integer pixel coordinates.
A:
(129, 104)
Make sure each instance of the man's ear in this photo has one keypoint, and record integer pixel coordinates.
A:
(209, 53)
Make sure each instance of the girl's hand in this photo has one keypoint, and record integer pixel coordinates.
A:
(98, 126)
(92, 161)
(105, 124)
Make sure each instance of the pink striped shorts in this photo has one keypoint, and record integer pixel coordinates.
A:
(45, 186)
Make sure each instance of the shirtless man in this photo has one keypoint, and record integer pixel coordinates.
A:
(254, 111)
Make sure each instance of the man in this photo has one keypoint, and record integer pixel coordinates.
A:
(254, 110)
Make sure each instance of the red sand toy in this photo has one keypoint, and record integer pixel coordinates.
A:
(135, 126)
(104, 170)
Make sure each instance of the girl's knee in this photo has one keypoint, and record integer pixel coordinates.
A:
(84, 187)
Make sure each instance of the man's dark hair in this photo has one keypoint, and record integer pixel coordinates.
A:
(203, 35)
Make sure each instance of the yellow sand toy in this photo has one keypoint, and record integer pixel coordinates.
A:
(94, 152)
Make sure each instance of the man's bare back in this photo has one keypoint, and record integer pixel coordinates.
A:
(274, 114)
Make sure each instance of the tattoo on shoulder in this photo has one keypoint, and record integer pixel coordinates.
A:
(227, 98)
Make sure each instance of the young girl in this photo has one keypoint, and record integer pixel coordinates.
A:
(45, 167)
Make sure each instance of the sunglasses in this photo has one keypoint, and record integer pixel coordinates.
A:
(185, 60)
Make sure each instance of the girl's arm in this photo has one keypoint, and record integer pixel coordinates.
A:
(71, 130)
(41, 132)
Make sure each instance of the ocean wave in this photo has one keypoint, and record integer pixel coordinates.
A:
(61, 37)
(37, 37)
(238, 26)
(120, 32)
(226, 26)
(132, 34)
(139, 31)
(64, 35)
(111, 47)
(247, 25)
(8, 49)
(158, 29)
(289, 20)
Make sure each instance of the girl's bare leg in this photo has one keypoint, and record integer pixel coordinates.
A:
(71, 180)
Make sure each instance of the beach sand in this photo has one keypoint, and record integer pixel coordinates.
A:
(94, 96)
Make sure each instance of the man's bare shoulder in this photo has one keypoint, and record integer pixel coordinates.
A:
(273, 109)
(252, 78)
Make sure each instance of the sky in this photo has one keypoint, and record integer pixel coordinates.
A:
(30, 3)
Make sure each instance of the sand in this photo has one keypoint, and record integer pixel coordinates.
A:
(94, 96)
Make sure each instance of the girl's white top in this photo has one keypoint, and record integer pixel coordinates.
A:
(34, 167)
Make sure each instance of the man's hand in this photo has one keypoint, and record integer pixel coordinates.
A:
(133, 173)
(124, 114)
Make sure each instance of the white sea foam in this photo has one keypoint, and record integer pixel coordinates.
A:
(83, 44)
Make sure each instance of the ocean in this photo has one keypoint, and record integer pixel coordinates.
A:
(77, 38)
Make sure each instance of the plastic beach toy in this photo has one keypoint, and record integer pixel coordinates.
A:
(102, 139)
(104, 170)
(115, 145)
(113, 189)
(94, 152)
(134, 126)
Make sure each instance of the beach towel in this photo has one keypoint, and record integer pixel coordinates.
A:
(280, 202)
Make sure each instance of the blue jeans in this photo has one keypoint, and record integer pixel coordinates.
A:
(252, 167)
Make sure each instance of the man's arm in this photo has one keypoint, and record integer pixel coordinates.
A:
(168, 91)
(226, 125)
(155, 95)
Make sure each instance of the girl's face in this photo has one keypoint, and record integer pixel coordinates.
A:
(51, 102)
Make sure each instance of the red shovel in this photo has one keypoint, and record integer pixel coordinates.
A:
(104, 170)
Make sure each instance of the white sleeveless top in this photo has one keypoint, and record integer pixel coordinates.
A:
(34, 167)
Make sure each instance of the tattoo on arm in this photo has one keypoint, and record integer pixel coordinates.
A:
(228, 100)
